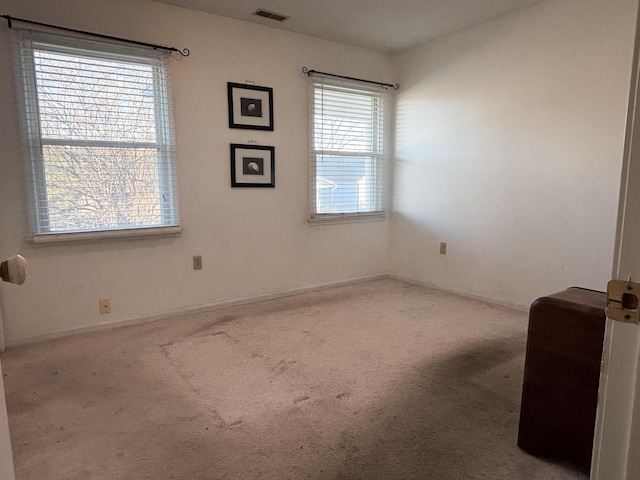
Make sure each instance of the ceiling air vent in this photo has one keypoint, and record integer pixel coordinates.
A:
(270, 15)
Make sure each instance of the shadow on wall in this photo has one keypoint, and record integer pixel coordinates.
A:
(406, 234)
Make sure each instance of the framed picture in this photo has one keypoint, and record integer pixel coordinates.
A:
(250, 107)
(252, 166)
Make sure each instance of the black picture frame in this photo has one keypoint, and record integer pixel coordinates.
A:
(250, 106)
(253, 166)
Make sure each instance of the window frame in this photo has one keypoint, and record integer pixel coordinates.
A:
(378, 153)
(27, 43)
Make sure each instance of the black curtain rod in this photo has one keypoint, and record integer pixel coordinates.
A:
(306, 71)
(184, 52)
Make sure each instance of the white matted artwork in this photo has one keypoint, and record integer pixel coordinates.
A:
(250, 106)
(252, 166)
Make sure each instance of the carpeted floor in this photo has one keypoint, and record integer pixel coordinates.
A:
(379, 380)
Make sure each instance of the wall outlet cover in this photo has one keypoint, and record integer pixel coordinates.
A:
(105, 305)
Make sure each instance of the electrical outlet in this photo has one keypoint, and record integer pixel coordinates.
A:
(105, 306)
(443, 248)
(197, 262)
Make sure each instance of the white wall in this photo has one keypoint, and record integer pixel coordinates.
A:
(253, 241)
(509, 147)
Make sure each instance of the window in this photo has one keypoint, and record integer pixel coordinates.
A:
(99, 132)
(348, 149)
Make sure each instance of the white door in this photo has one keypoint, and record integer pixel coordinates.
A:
(2, 344)
(617, 436)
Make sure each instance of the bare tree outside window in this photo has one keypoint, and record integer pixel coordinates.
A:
(102, 118)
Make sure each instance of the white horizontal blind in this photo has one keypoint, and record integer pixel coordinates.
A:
(99, 127)
(348, 148)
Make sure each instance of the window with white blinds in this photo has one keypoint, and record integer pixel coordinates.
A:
(348, 148)
(98, 125)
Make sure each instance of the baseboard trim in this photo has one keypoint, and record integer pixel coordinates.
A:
(462, 293)
(14, 342)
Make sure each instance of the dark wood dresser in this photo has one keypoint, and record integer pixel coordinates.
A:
(562, 374)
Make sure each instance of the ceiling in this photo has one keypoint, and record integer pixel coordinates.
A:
(383, 25)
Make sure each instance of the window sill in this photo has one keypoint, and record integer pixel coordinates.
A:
(336, 218)
(130, 233)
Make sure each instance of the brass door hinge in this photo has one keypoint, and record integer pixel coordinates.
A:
(622, 301)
